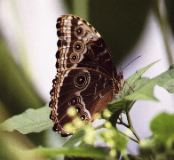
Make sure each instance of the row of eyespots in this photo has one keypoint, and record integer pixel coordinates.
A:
(78, 48)
(75, 101)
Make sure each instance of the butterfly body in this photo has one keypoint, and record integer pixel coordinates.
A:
(86, 76)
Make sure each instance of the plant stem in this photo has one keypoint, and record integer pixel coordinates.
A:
(81, 9)
(160, 13)
(122, 123)
(136, 141)
(131, 127)
(85, 152)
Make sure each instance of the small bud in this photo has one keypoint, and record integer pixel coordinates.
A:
(108, 134)
(112, 153)
(106, 113)
(111, 143)
(78, 123)
(97, 116)
(90, 136)
(71, 111)
(69, 128)
(108, 125)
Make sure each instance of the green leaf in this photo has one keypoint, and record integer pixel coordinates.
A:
(121, 141)
(16, 90)
(138, 74)
(32, 120)
(74, 139)
(162, 126)
(133, 83)
(87, 151)
(166, 80)
(81, 8)
(145, 92)
(140, 88)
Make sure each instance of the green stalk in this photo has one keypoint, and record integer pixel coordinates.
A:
(160, 13)
(80, 8)
(16, 89)
(23, 57)
(131, 127)
(68, 151)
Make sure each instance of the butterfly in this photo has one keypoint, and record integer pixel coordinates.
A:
(86, 76)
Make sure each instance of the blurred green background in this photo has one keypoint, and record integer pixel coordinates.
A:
(120, 22)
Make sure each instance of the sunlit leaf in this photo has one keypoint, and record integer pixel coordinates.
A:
(138, 74)
(143, 93)
(165, 80)
(87, 151)
(32, 120)
(16, 90)
(133, 83)
(74, 139)
(162, 126)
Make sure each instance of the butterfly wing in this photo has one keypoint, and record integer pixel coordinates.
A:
(86, 77)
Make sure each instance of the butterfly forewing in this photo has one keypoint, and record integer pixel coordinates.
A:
(86, 77)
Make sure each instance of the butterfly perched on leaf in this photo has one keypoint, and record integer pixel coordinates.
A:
(86, 76)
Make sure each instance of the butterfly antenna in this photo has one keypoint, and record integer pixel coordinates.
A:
(127, 66)
(133, 60)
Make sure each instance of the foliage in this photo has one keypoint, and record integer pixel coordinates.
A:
(87, 141)
(32, 120)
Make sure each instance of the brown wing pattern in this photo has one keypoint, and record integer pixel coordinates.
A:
(86, 77)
